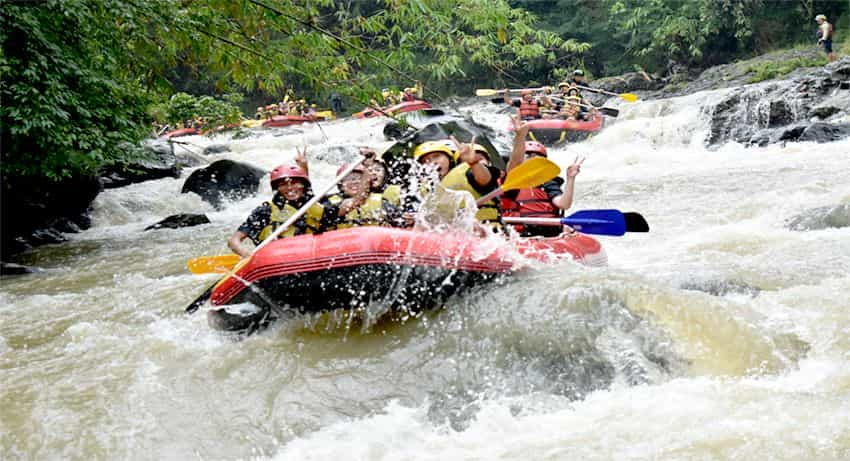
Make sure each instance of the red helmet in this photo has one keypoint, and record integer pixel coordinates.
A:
(288, 171)
(359, 168)
(534, 146)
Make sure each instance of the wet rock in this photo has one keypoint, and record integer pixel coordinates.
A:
(16, 269)
(632, 81)
(157, 161)
(821, 218)
(180, 220)
(37, 211)
(838, 102)
(46, 237)
(188, 159)
(216, 149)
(224, 179)
(825, 132)
(721, 287)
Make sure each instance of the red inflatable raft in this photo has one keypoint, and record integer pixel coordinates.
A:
(350, 268)
(180, 132)
(554, 130)
(408, 106)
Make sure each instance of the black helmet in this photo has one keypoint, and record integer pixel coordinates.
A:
(578, 72)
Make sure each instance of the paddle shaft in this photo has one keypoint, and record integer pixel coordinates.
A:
(596, 90)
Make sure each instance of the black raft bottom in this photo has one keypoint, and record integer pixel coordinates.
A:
(549, 136)
(409, 288)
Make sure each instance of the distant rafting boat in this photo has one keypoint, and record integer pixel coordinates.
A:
(402, 268)
(554, 130)
(181, 132)
(407, 106)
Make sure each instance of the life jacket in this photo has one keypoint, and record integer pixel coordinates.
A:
(392, 194)
(279, 215)
(370, 213)
(529, 109)
(533, 202)
(408, 97)
(456, 180)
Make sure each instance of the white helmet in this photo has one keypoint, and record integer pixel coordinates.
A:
(820, 17)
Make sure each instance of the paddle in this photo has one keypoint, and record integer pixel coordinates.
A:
(628, 97)
(599, 222)
(604, 110)
(217, 261)
(209, 264)
(491, 92)
(530, 173)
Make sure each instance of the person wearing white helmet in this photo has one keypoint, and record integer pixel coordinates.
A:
(824, 35)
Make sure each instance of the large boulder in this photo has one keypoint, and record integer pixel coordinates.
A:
(442, 127)
(36, 211)
(157, 161)
(224, 179)
(180, 220)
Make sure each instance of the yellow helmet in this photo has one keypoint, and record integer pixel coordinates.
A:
(432, 146)
(564, 84)
(481, 149)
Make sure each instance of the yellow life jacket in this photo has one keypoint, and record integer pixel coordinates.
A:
(392, 194)
(281, 215)
(370, 213)
(456, 180)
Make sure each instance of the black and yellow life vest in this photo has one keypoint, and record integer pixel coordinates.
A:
(371, 213)
(313, 218)
(456, 180)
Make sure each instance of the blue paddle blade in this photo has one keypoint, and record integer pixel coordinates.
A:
(599, 222)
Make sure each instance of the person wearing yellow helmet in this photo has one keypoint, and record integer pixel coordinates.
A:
(389, 99)
(437, 155)
(475, 174)
(408, 95)
(824, 35)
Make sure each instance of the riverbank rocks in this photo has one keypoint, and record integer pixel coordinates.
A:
(821, 218)
(16, 269)
(36, 211)
(223, 180)
(157, 161)
(180, 220)
(216, 149)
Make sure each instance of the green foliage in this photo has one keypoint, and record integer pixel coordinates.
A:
(65, 108)
(768, 70)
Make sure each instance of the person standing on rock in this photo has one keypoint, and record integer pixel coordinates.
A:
(825, 36)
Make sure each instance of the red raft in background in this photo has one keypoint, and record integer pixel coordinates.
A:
(289, 120)
(555, 130)
(350, 268)
(407, 106)
(181, 132)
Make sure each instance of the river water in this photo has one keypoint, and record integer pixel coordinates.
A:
(721, 334)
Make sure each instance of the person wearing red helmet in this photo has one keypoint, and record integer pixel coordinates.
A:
(356, 204)
(528, 104)
(545, 201)
(292, 190)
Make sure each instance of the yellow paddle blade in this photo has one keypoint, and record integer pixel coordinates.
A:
(486, 92)
(531, 173)
(208, 264)
(629, 97)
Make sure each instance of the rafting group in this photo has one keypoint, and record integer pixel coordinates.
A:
(407, 228)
